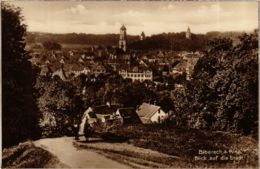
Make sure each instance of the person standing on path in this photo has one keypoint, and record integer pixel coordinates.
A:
(76, 131)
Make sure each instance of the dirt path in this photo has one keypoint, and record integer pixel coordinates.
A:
(76, 158)
(100, 154)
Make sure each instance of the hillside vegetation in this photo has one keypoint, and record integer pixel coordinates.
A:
(26, 155)
(77, 38)
(187, 143)
(223, 94)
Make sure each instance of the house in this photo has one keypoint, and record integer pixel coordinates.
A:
(89, 116)
(60, 73)
(95, 115)
(78, 69)
(160, 54)
(128, 115)
(179, 67)
(149, 113)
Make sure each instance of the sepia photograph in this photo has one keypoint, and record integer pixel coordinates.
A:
(129, 84)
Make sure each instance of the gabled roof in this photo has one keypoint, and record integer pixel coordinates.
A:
(129, 114)
(105, 109)
(60, 73)
(180, 65)
(146, 111)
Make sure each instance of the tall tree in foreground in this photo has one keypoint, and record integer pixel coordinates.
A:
(224, 89)
(19, 112)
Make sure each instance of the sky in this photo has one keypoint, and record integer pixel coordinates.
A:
(151, 17)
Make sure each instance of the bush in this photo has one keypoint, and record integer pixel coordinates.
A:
(26, 155)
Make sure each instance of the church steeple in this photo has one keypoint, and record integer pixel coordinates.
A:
(188, 33)
(122, 38)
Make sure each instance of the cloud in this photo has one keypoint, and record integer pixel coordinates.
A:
(76, 9)
(152, 17)
(168, 7)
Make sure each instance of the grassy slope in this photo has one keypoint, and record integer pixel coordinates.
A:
(26, 155)
(187, 143)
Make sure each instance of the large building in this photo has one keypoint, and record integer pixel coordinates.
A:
(136, 74)
(188, 33)
(122, 38)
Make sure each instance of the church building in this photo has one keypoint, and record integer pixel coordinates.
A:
(122, 38)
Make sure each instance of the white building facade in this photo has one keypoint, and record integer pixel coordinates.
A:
(137, 76)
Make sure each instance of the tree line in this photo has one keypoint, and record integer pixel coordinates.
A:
(169, 41)
(77, 38)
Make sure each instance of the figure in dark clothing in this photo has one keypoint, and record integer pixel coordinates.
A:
(76, 131)
(88, 130)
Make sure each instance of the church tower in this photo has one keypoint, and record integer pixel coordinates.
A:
(142, 36)
(122, 38)
(188, 34)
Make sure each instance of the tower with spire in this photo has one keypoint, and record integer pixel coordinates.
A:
(122, 38)
(188, 33)
(142, 36)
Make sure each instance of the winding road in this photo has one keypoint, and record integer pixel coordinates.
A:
(76, 158)
(100, 154)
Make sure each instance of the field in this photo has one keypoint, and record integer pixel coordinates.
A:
(74, 46)
(227, 150)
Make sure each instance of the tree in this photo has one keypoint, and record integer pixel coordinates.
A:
(223, 92)
(20, 117)
(59, 105)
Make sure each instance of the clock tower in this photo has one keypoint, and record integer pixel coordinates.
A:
(122, 38)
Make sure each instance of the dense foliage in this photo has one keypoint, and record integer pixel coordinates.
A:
(19, 113)
(113, 89)
(174, 41)
(59, 105)
(78, 38)
(223, 94)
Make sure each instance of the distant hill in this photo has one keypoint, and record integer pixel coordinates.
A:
(175, 41)
(75, 38)
(171, 41)
(232, 35)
